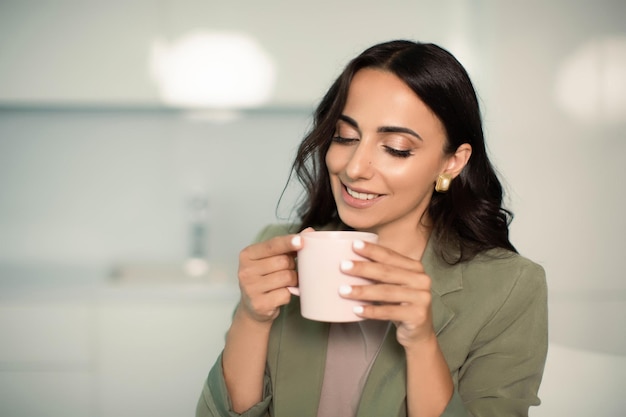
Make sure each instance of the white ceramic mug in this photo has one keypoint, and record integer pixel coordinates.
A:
(320, 276)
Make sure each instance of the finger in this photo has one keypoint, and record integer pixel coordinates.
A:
(392, 312)
(271, 299)
(251, 270)
(270, 282)
(381, 254)
(267, 305)
(386, 273)
(386, 294)
(278, 245)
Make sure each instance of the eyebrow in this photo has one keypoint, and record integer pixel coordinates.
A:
(382, 129)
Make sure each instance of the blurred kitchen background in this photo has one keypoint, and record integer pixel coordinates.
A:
(144, 143)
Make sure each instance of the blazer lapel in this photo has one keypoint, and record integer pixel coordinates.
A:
(445, 279)
(385, 388)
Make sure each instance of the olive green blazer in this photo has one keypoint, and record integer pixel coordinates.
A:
(490, 317)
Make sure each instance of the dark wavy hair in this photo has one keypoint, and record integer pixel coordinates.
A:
(469, 218)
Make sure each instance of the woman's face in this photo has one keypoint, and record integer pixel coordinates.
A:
(386, 154)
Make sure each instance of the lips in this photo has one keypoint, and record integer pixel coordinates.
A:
(359, 199)
(360, 195)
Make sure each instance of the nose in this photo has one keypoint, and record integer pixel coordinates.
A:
(360, 164)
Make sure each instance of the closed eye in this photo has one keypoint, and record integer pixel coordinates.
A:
(344, 141)
(400, 153)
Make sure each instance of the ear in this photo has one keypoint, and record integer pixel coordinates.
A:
(457, 161)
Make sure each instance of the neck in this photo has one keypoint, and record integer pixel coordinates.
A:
(407, 242)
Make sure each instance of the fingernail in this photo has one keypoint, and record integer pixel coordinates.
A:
(357, 309)
(358, 244)
(296, 241)
(345, 289)
(346, 265)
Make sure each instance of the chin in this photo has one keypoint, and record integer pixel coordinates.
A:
(360, 224)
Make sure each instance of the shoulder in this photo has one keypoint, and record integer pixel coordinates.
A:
(496, 283)
(491, 274)
(500, 286)
(495, 294)
(498, 268)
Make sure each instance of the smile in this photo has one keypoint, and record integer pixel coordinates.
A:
(361, 196)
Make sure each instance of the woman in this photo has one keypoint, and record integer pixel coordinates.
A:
(458, 323)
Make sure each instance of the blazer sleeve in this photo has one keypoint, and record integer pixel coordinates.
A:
(503, 371)
(215, 401)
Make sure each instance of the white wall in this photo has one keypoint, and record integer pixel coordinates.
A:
(77, 51)
(109, 187)
(94, 173)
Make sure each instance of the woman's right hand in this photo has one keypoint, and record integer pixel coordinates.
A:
(266, 269)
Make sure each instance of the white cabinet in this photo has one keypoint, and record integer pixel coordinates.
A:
(156, 348)
(46, 333)
(46, 359)
(111, 351)
(46, 393)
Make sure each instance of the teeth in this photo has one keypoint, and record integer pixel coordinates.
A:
(361, 196)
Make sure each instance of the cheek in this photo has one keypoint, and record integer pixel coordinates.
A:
(328, 158)
(334, 159)
(414, 176)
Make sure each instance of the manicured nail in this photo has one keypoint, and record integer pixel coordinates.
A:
(296, 241)
(345, 289)
(357, 309)
(346, 265)
(358, 244)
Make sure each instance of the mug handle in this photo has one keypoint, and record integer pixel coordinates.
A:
(294, 290)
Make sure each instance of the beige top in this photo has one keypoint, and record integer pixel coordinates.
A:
(352, 348)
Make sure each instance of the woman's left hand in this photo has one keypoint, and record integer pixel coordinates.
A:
(401, 292)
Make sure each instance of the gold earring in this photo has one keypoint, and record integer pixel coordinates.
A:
(443, 182)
